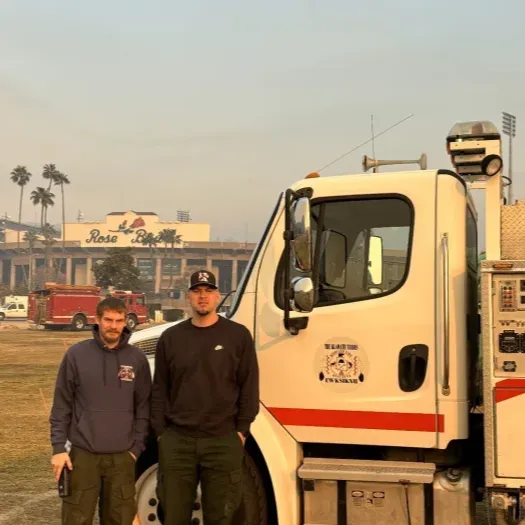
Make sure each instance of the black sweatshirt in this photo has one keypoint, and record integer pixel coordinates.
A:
(102, 396)
(206, 380)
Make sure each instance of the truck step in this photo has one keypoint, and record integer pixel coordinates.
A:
(366, 470)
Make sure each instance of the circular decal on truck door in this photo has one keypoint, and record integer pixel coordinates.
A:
(341, 364)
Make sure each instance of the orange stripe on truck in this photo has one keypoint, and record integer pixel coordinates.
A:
(408, 422)
(508, 388)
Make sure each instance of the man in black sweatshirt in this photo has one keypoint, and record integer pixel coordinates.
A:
(205, 397)
(101, 406)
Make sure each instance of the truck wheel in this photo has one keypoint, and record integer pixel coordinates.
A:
(252, 512)
(2, 316)
(148, 509)
(79, 322)
(132, 322)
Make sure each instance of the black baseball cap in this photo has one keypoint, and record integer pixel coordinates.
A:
(203, 278)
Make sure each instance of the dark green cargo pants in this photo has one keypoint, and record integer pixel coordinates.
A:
(110, 476)
(215, 462)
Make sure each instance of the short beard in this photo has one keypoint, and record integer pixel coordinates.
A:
(203, 313)
(112, 339)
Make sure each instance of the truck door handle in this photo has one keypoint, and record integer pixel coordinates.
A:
(413, 361)
(445, 389)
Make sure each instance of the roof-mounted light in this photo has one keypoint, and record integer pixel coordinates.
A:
(474, 130)
(475, 149)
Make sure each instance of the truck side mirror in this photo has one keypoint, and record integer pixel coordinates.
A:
(375, 260)
(303, 294)
(302, 235)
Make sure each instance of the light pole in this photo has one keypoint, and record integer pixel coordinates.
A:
(509, 129)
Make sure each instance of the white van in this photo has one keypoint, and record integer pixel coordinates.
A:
(16, 310)
(15, 299)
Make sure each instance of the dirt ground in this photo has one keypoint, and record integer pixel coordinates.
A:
(29, 362)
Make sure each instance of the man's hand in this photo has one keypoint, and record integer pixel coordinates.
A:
(58, 461)
(243, 439)
(133, 456)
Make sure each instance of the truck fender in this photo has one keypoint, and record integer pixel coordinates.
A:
(283, 456)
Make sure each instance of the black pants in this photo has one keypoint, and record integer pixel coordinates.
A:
(215, 462)
(110, 476)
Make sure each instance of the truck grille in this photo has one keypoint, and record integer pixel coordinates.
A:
(148, 346)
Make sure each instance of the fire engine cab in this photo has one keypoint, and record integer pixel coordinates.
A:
(379, 404)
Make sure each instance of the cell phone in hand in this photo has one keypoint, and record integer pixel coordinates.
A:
(64, 483)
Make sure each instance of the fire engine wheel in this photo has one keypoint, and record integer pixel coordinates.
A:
(132, 322)
(254, 511)
(79, 322)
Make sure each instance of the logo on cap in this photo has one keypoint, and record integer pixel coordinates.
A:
(203, 277)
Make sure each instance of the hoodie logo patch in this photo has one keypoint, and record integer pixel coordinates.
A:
(219, 347)
(126, 373)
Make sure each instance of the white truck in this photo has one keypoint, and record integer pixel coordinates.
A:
(14, 307)
(376, 405)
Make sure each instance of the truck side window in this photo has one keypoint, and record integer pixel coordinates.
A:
(364, 251)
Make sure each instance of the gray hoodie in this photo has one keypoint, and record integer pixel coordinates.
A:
(101, 401)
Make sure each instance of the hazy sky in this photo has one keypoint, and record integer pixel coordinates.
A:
(216, 106)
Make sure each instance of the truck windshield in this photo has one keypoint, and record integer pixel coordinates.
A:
(237, 295)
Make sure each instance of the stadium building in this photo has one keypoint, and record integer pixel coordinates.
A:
(164, 252)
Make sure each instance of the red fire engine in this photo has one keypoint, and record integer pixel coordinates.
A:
(61, 306)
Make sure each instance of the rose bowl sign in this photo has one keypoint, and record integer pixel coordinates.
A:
(137, 231)
(132, 229)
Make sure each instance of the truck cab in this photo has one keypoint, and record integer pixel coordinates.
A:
(361, 297)
(136, 305)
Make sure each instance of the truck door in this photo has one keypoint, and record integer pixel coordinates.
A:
(363, 371)
(12, 311)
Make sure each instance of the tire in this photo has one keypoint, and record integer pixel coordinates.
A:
(78, 323)
(2, 316)
(253, 511)
(132, 322)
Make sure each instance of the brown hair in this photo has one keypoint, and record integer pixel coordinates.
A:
(113, 304)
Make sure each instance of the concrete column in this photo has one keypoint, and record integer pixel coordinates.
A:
(234, 274)
(182, 266)
(69, 268)
(209, 263)
(1, 271)
(12, 279)
(89, 273)
(158, 274)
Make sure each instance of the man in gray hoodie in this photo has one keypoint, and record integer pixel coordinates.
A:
(101, 406)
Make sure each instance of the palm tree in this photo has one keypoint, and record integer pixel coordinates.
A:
(151, 241)
(50, 173)
(31, 238)
(20, 176)
(45, 199)
(49, 233)
(169, 237)
(59, 180)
